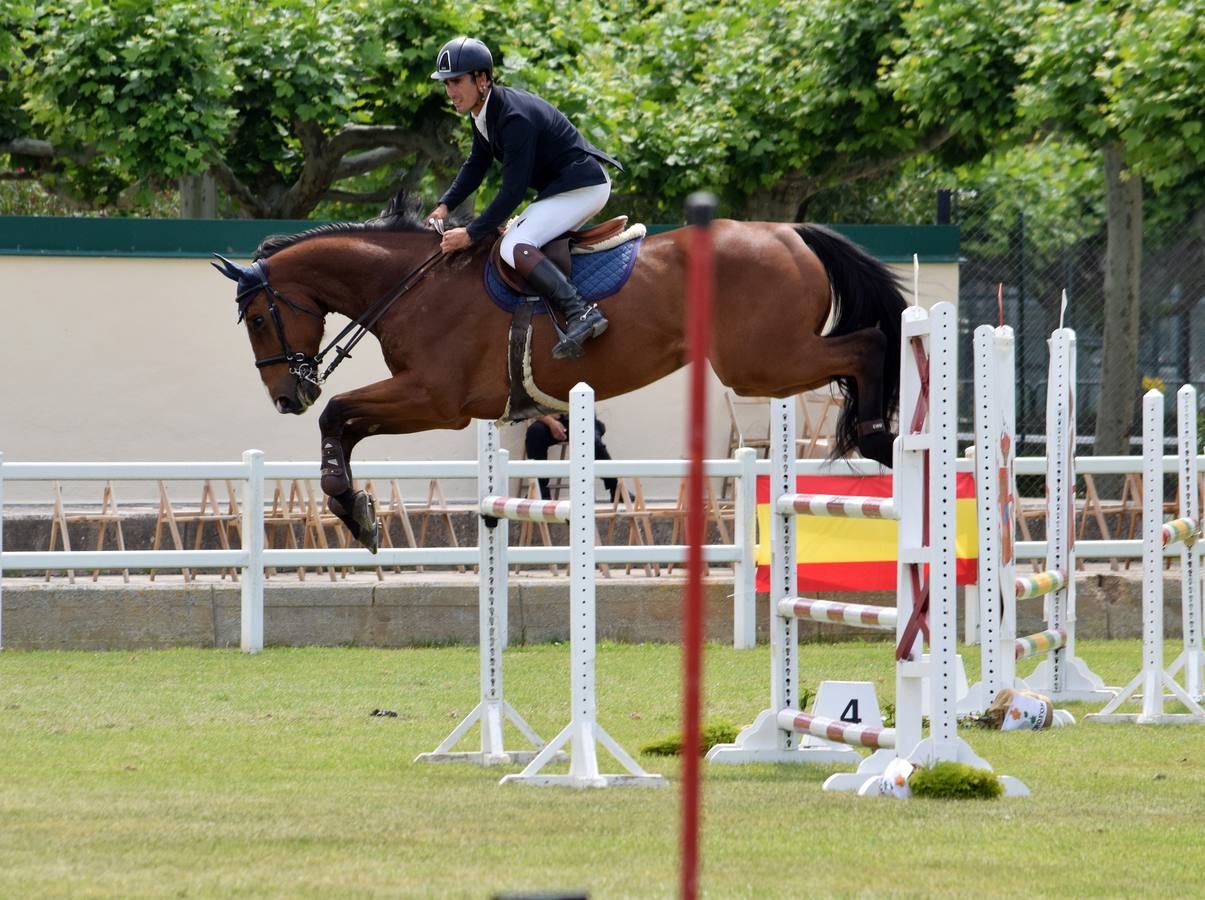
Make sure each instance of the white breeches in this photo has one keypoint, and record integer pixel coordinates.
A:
(546, 219)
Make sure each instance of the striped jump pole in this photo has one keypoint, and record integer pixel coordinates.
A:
(859, 615)
(837, 506)
(1179, 531)
(1039, 584)
(520, 509)
(1153, 679)
(1062, 676)
(923, 502)
(583, 734)
(1042, 642)
(837, 731)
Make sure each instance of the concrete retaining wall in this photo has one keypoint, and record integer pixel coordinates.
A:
(416, 609)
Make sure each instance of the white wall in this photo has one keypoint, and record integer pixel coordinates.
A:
(129, 359)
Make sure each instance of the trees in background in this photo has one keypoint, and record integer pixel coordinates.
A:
(1124, 79)
(829, 108)
(281, 102)
(287, 102)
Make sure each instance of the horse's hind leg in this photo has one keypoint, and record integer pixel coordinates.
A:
(873, 431)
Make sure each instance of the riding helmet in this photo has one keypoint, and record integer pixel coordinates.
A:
(461, 55)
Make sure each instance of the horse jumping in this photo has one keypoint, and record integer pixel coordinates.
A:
(445, 343)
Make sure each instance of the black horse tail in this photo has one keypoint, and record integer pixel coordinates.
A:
(866, 294)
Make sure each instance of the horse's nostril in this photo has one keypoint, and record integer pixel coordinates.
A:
(284, 404)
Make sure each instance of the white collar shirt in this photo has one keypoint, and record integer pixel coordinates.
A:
(479, 118)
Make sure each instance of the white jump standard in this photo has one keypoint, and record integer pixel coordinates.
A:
(1062, 676)
(923, 502)
(583, 732)
(492, 710)
(1156, 536)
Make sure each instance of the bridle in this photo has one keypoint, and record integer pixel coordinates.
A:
(254, 278)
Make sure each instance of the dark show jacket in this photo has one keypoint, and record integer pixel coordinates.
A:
(538, 148)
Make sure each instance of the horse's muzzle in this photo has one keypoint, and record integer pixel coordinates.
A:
(302, 398)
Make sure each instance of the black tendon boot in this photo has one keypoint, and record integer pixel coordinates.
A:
(582, 320)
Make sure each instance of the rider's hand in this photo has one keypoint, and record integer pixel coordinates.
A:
(456, 239)
(440, 212)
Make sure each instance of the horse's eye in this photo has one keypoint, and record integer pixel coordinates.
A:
(257, 322)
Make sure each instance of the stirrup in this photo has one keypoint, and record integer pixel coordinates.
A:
(570, 344)
(567, 348)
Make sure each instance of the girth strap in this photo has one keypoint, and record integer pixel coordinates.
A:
(521, 404)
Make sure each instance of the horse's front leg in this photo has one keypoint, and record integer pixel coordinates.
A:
(387, 407)
(356, 509)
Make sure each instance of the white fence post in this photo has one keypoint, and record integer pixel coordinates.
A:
(744, 536)
(1, 551)
(1190, 658)
(251, 620)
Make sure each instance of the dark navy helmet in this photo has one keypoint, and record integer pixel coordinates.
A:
(461, 55)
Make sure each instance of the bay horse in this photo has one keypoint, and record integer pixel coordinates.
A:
(445, 342)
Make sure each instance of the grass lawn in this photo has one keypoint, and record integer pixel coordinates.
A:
(210, 773)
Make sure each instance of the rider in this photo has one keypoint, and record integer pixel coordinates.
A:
(538, 148)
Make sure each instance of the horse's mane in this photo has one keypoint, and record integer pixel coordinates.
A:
(403, 214)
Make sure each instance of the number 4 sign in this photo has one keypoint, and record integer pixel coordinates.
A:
(853, 702)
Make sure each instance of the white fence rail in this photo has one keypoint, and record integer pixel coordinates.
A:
(253, 558)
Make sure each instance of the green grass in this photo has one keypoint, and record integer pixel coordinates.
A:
(210, 773)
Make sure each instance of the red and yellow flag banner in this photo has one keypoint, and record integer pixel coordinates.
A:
(839, 554)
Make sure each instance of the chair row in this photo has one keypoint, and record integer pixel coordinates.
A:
(297, 517)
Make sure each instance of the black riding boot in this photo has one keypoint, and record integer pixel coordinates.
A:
(582, 320)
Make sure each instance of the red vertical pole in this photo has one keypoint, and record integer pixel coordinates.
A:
(700, 209)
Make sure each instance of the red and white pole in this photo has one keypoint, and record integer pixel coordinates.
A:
(700, 282)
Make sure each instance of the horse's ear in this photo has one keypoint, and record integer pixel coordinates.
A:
(231, 270)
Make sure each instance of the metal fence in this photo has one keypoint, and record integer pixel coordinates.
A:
(1035, 268)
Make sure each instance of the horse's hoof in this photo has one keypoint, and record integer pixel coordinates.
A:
(364, 515)
(878, 447)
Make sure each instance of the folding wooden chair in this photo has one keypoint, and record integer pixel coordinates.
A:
(314, 524)
(436, 507)
(748, 426)
(208, 511)
(818, 414)
(395, 511)
(712, 512)
(630, 508)
(108, 515)
(285, 513)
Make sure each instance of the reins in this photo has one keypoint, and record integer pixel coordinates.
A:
(307, 367)
(370, 317)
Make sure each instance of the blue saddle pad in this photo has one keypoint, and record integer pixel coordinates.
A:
(595, 275)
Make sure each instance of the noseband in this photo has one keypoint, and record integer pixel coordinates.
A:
(254, 278)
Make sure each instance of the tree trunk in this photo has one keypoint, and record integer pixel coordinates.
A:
(1123, 262)
(777, 203)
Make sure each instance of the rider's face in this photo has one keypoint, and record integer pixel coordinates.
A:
(465, 92)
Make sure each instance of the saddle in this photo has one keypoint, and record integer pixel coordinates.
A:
(605, 253)
(559, 250)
